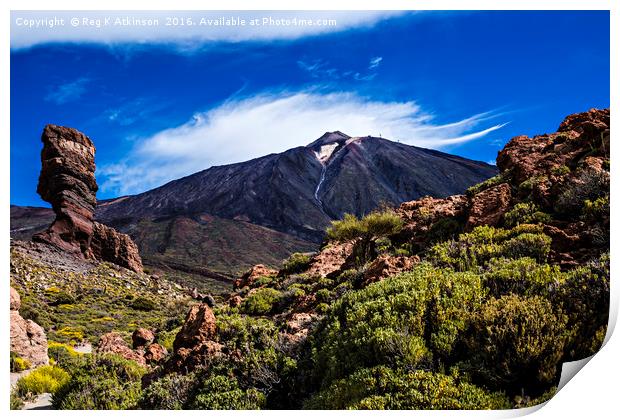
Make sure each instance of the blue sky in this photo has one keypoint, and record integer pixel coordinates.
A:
(163, 105)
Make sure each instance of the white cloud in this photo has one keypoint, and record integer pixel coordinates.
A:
(375, 62)
(243, 129)
(30, 28)
(67, 92)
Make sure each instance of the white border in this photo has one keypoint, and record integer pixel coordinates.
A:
(592, 394)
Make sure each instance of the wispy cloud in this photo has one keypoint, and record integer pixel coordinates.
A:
(320, 69)
(374, 63)
(67, 92)
(206, 26)
(130, 111)
(243, 129)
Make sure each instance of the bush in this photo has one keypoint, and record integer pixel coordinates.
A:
(108, 382)
(62, 298)
(535, 245)
(223, 393)
(373, 225)
(16, 402)
(382, 388)
(491, 182)
(18, 364)
(43, 379)
(65, 356)
(142, 304)
(296, 263)
(398, 322)
(589, 185)
(584, 297)
(261, 302)
(516, 343)
(525, 213)
(523, 276)
(170, 392)
(323, 295)
(596, 210)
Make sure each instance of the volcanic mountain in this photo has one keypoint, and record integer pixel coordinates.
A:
(226, 218)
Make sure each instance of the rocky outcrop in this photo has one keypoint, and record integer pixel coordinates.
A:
(155, 353)
(331, 260)
(113, 343)
(249, 277)
(387, 265)
(107, 244)
(28, 339)
(489, 206)
(195, 345)
(297, 329)
(141, 338)
(67, 182)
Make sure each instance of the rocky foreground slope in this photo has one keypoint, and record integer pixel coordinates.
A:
(472, 301)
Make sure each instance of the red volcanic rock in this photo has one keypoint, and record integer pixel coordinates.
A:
(388, 265)
(142, 337)
(113, 343)
(253, 274)
(195, 344)
(235, 301)
(28, 339)
(489, 206)
(199, 327)
(297, 329)
(155, 353)
(107, 244)
(67, 182)
(330, 260)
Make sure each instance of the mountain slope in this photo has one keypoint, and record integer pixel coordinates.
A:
(300, 190)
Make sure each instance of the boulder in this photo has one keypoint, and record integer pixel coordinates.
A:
(113, 343)
(142, 337)
(107, 244)
(387, 265)
(155, 353)
(330, 260)
(28, 339)
(489, 206)
(253, 274)
(199, 326)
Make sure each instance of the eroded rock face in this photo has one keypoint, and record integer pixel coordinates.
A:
(331, 260)
(67, 182)
(297, 329)
(113, 343)
(142, 337)
(388, 265)
(155, 353)
(107, 244)
(253, 274)
(28, 339)
(489, 206)
(195, 344)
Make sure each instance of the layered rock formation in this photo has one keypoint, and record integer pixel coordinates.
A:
(28, 339)
(67, 182)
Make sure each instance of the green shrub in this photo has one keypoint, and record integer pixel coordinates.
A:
(223, 393)
(516, 343)
(65, 356)
(142, 304)
(261, 302)
(296, 263)
(43, 379)
(382, 388)
(373, 225)
(528, 185)
(535, 245)
(166, 338)
(322, 308)
(323, 295)
(589, 185)
(560, 170)
(16, 403)
(108, 382)
(398, 321)
(18, 364)
(523, 276)
(525, 213)
(62, 298)
(584, 297)
(596, 210)
(170, 392)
